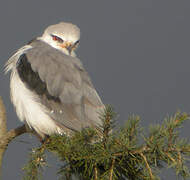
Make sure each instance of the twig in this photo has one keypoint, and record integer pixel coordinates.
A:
(111, 169)
(147, 165)
(179, 158)
(6, 136)
(3, 130)
(172, 159)
(3, 120)
(10, 135)
(95, 173)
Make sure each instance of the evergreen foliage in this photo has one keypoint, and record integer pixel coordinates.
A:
(126, 153)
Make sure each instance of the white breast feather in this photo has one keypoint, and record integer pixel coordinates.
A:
(29, 109)
(26, 102)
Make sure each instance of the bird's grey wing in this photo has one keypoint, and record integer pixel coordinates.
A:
(63, 85)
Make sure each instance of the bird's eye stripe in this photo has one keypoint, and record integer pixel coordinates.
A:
(56, 38)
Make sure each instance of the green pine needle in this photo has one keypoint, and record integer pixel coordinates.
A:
(106, 154)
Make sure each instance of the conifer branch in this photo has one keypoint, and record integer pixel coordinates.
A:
(37, 161)
(119, 154)
(114, 155)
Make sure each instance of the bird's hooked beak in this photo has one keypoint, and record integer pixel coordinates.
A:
(69, 46)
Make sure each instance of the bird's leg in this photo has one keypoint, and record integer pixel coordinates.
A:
(40, 138)
(45, 140)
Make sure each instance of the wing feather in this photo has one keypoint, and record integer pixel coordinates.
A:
(69, 94)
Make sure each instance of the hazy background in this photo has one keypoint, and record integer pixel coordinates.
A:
(136, 52)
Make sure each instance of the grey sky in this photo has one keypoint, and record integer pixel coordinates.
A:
(136, 52)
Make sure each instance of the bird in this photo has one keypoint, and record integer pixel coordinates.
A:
(49, 87)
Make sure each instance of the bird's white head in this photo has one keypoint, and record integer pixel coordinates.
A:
(63, 36)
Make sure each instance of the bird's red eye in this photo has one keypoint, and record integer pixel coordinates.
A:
(55, 38)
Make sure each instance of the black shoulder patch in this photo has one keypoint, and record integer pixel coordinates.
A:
(31, 78)
(31, 41)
